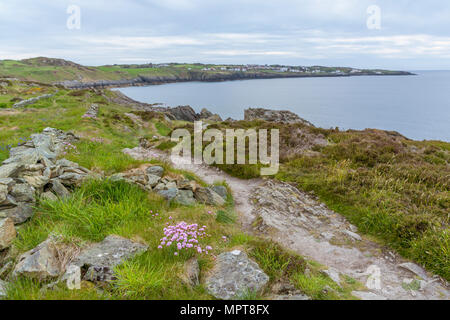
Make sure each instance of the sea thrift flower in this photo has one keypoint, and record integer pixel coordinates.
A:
(185, 236)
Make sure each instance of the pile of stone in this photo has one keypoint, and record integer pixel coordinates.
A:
(92, 112)
(173, 188)
(34, 170)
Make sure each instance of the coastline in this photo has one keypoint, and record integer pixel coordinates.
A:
(142, 81)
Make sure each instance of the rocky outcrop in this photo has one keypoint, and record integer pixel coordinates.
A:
(273, 116)
(186, 113)
(27, 102)
(235, 275)
(33, 169)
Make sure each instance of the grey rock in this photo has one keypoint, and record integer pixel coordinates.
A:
(208, 196)
(414, 268)
(333, 274)
(185, 197)
(71, 179)
(7, 233)
(40, 263)
(191, 272)
(102, 257)
(233, 275)
(187, 185)
(117, 177)
(36, 181)
(365, 295)
(159, 187)
(10, 170)
(171, 185)
(19, 214)
(168, 194)
(221, 191)
(23, 192)
(49, 196)
(153, 180)
(155, 170)
(59, 189)
(352, 235)
(3, 192)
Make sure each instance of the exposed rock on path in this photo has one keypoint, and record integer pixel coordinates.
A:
(299, 222)
(235, 275)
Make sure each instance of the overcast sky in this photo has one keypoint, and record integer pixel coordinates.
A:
(414, 34)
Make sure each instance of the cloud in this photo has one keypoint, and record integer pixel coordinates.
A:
(414, 34)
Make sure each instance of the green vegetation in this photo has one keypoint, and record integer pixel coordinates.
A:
(390, 187)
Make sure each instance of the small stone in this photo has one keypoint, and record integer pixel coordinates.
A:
(21, 213)
(59, 189)
(10, 170)
(23, 192)
(171, 185)
(50, 196)
(353, 235)
(221, 191)
(7, 233)
(153, 180)
(155, 170)
(191, 272)
(333, 274)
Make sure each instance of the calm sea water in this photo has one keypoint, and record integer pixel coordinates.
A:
(416, 106)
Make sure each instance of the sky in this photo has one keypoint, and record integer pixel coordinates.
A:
(400, 34)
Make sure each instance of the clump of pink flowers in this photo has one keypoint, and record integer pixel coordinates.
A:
(68, 147)
(185, 236)
(96, 140)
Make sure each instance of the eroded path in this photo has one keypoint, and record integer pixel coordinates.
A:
(297, 221)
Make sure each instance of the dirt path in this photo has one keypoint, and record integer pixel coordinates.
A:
(300, 223)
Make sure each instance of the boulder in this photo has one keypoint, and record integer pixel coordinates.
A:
(7, 233)
(101, 258)
(185, 197)
(155, 170)
(221, 191)
(168, 194)
(187, 185)
(208, 196)
(235, 274)
(40, 263)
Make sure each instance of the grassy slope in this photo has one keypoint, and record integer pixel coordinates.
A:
(101, 208)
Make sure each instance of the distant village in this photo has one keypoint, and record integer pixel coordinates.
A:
(258, 68)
